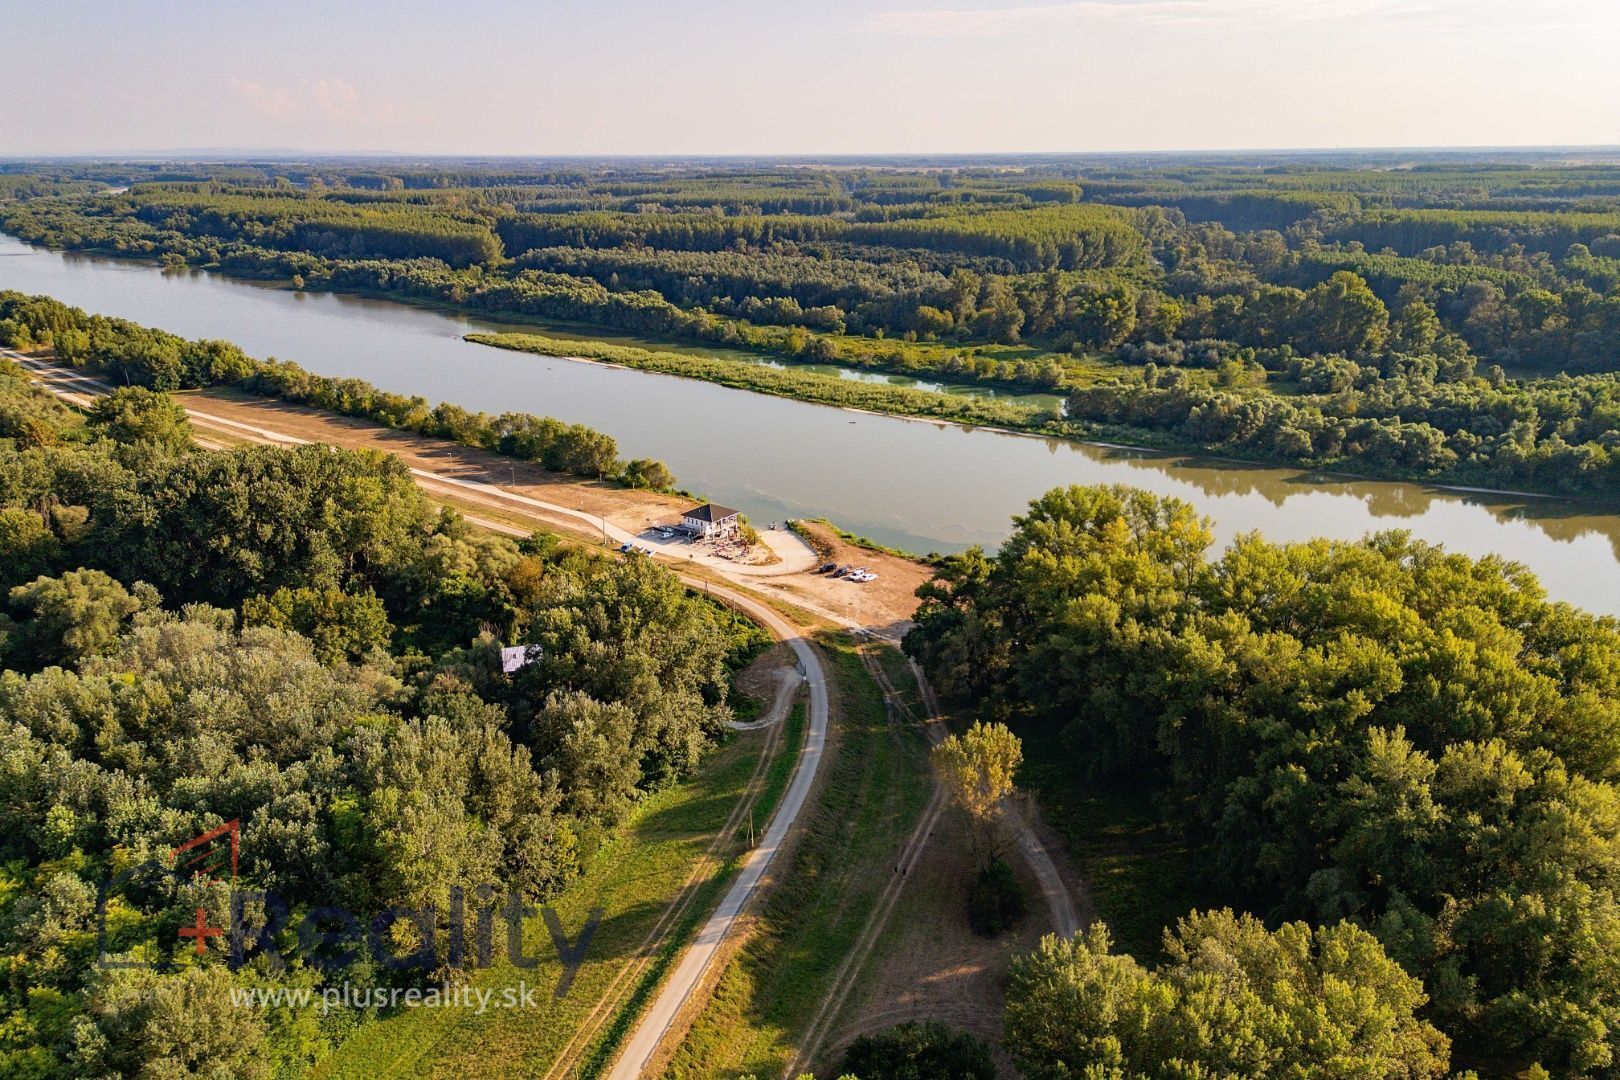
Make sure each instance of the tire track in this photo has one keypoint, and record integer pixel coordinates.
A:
(849, 970)
(609, 1001)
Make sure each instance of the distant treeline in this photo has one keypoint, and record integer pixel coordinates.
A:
(328, 227)
(1409, 232)
(873, 255)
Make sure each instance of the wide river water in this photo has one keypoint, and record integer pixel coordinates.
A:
(917, 485)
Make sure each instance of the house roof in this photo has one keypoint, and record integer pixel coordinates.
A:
(710, 512)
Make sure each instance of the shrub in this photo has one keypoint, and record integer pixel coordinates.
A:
(996, 900)
(919, 1051)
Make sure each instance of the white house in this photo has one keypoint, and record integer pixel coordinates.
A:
(710, 520)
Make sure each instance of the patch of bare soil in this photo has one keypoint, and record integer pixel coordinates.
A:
(886, 604)
(760, 679)
(626, 507)
(889, 602)
(766, 688)
(929, 965)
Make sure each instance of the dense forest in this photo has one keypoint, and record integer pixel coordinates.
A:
(1379, 734)
(292, 639)
(1436, 318)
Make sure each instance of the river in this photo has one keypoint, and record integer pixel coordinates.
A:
(912, 484)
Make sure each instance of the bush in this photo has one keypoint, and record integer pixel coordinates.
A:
(647, 473)
(918, 1051)
(996, 900)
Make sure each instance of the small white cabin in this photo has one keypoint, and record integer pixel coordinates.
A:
(710, 520)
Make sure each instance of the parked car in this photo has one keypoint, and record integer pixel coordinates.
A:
(627, 547)
(826, 568)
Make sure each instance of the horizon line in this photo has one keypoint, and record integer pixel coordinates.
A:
(289, 153)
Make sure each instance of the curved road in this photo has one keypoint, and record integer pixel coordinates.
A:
(655, 1023)
(660, 1015)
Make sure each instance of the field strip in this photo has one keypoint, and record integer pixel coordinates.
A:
(848, 971)
(706, 865)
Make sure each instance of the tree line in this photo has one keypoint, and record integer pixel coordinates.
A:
(134, 355)
(1337, 315)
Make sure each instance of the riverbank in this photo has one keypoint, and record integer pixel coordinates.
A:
(587, 510)
(936, 407)
(956, 404)
(781, 382)
(985, 388)
(911, 484)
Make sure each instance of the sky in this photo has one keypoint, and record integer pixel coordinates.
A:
(599, 77)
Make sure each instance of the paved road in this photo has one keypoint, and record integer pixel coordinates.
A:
(655, 1023)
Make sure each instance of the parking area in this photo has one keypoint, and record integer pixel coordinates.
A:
(779, 552)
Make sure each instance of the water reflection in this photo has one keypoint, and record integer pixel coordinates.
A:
(914, 484)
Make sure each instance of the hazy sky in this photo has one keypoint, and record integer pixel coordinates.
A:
(728, 76)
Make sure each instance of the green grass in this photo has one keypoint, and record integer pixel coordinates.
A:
(602, 1049)
(777, 775)
(857, 540)
(745, 709)
(894, 665)
(1137, 868)
(785, 382)
(876, 784)
(632, 879)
